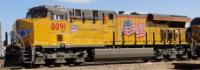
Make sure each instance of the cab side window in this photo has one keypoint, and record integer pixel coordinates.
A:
(59, 17)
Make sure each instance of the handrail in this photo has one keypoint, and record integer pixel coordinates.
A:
(20, 38)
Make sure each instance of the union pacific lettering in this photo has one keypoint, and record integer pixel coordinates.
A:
(58, 26)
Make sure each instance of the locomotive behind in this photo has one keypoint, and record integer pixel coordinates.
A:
(53, 34)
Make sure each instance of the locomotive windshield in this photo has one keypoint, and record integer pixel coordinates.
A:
(37, 13)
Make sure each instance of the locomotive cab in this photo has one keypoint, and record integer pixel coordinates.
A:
(54, 16)
(50, 12)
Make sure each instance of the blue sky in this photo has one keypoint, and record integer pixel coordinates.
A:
(14, 9)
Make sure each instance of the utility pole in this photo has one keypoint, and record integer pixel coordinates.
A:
(1, 43)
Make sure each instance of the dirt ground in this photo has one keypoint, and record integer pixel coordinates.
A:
(131, 66)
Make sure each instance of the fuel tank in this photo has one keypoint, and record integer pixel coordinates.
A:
(124, 53)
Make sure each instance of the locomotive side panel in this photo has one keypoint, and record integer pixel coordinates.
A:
(87, 34)
(50, 33)
(131, 29)
(75, 32)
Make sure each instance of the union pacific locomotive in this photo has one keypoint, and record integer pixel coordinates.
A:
(57, 35)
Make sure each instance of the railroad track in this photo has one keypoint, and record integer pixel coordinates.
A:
(188, 66)
(110, 62)
(95, 63)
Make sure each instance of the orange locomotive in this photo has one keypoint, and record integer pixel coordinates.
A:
(52, 34)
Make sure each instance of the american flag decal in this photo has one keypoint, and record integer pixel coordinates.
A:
(129, 29)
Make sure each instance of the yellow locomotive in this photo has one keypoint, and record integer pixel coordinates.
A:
(53, 34)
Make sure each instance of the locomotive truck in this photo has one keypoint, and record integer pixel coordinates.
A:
(57, 35)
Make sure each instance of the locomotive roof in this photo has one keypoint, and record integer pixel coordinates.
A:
(61, 10)
(164, 17)
(56, 9)
(167, 17)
